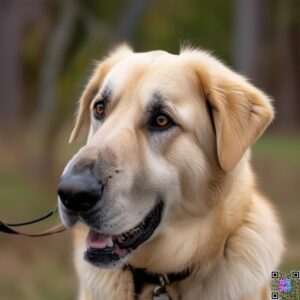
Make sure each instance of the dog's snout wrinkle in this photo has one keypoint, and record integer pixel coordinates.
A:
(83, 164)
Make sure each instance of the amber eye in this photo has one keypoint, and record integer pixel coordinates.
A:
(160, 122)
(99, 109)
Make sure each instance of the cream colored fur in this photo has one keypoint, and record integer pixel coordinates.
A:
(216, 222)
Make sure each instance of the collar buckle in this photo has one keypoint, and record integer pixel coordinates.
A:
(160, 293)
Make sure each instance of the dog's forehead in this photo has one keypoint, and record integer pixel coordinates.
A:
(132, 66)
(150, 73)
(128, 72)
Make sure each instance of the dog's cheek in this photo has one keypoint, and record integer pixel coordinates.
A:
(160, 141)
(162, 178)
(192, 167)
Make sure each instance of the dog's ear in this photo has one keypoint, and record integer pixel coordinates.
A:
(240, 112)
(94, 85)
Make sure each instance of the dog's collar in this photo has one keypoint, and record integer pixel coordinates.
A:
(141, 277)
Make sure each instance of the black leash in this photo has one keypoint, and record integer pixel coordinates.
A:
(8, 227)
(46, 216)
(141, 277)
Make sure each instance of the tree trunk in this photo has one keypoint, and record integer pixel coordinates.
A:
(129, 20)
(15, 16)
(288, 50)
(250, 38)
(47, 120)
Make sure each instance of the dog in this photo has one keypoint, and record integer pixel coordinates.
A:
(164, 188)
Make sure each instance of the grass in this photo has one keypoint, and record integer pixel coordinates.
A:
(277, 163)
(31, 268)
(42, 268)
(279, 147)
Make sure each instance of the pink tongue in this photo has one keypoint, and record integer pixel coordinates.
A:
(96, 240)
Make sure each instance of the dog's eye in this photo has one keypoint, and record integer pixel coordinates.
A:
(99, 109)
(160, 122)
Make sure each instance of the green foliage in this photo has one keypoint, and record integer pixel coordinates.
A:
(169, 23)
(279, 147)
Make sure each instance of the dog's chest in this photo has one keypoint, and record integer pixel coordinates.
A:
(112, 284)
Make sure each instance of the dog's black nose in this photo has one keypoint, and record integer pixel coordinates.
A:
(79, 191)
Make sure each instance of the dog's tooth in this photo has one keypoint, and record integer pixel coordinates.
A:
(121, 238)
(110, 243)
(135, 231)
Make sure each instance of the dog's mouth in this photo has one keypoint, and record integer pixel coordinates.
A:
(108, 250)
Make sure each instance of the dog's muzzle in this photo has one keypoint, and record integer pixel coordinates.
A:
(80, 192)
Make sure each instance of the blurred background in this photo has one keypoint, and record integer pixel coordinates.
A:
(48, 48)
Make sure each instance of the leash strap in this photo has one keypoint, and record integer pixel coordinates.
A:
(8, 227)
(46, 216)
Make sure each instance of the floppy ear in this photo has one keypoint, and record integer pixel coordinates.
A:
(94, 85)
(240, 112)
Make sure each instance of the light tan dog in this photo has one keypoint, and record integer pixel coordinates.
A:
(165, 183)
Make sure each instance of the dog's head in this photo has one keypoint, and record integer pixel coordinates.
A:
(162, 127)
